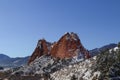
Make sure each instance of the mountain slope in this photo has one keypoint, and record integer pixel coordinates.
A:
(105, 66)
(96, 51)
(6, 61)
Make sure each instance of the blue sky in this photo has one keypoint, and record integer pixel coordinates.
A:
(24, 22)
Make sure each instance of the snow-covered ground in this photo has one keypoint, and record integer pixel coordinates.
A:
(103, 66)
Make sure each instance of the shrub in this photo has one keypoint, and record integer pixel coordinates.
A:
(1, 68)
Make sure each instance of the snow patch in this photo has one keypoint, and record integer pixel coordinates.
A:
(114, 49)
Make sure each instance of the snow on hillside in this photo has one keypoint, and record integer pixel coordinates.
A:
(80, 70)
(104, 66)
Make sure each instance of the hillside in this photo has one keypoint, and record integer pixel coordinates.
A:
(6, 61)
(103, 66)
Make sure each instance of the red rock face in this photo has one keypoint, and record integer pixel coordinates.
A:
(42, 48)
(68, 46)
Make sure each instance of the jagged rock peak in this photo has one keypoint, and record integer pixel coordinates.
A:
(43, 44)
(43, 47)
(71, 35)
(69, 46)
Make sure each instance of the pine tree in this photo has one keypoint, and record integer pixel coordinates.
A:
(119, 51)
(119, 45)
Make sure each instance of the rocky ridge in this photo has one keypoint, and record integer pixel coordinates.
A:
(43, 47)
(68, 46)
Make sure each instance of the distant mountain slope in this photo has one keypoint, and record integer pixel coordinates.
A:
(3, 56)
(6, 61)
(96, 51)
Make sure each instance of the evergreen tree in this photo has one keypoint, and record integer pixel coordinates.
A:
(119, 45)
(1, 68)
(119, 51)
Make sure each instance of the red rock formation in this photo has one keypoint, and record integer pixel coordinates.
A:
(68, 46)
(42, 48)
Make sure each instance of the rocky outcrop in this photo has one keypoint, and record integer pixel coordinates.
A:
(105, 66)
(42, 48)
(69, 46)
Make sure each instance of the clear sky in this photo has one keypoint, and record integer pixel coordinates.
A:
(24, 22)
